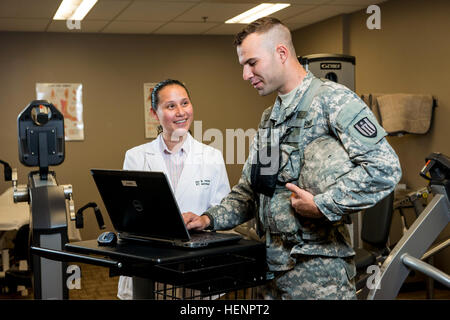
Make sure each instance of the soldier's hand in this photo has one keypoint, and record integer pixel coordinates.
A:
(195, 222)
(303, 202)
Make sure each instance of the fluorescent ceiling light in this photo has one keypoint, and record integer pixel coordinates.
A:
(264, 9)
(83, 9)
(74, 9)
(66, 9)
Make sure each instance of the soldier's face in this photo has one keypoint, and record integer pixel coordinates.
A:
(259, 63)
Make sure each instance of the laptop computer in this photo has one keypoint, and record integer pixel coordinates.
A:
(141, 206)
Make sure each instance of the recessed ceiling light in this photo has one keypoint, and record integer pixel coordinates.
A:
(74, 9)
(262, 10)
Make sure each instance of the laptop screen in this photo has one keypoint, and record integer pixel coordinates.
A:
(140, 203)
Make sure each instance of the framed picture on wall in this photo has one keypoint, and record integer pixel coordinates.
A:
(67, 98)
(151, 124)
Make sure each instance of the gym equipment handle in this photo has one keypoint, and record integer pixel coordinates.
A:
(429, 270)
(7, 170)
(98, 215)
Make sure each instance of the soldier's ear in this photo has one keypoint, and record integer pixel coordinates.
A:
(282, 52)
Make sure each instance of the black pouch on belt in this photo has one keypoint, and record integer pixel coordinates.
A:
(265, 171)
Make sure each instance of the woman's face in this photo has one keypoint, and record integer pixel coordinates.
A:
(175, 112)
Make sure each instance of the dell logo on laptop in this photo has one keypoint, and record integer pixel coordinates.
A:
(138, 205)
(129, 183)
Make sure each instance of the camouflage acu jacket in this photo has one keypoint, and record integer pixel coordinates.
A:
(334, 111)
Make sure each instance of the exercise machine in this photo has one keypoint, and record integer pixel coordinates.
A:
(411, 250)
(339, 68)
(41, 144)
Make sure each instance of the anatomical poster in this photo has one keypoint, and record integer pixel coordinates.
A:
(67, 98)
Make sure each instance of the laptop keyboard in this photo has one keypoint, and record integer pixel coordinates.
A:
(205, 236)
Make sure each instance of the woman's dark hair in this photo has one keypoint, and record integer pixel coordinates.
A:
(162, 84)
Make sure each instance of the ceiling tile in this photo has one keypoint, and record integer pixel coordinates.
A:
(185, 28)
(10, 24)
(301, 2)
(307, 2)
(191, 1)
(365, 3)
(225, 28)
(235, 1)
(85, 26)
(295, 26)
(291, 11)
(154, 11)
(131, 27)
(28, 8)
(216, 12)
(106, 10)
(146, 16)
(321, 13)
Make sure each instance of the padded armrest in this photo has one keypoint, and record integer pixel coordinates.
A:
(364, 258)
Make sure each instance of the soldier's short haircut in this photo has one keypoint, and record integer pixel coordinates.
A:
(261, 25)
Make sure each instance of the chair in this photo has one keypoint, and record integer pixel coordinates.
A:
(15, 277)
(376, 225)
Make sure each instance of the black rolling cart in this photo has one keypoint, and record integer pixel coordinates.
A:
(164, 272)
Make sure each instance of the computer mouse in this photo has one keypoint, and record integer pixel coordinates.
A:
(107, 238)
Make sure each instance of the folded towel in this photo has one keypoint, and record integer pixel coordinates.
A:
(410, 113)
(371, 101)
(375, 107)
(365, 98)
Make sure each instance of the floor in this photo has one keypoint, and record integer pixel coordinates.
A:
(97, 285)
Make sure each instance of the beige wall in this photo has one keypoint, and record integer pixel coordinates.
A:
(322, 37)
(112, 69)
(408, 55)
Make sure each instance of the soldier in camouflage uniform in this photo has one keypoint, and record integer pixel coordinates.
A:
(319, 155)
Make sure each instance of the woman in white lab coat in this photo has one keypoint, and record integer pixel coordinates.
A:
(196, 172)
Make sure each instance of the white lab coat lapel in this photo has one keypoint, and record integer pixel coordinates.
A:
(154, 160)
(190, 168)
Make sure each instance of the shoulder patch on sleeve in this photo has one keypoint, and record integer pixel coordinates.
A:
(366, 128)
(358, 121)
